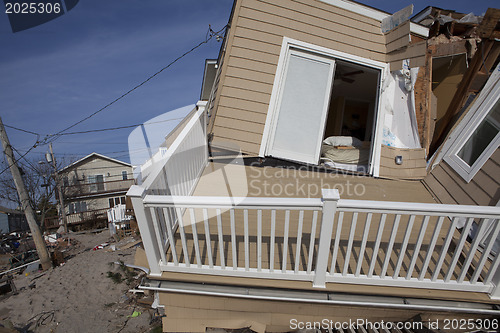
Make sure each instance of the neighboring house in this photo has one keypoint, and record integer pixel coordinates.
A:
(91, 186)
(12, 220)
(270, 209)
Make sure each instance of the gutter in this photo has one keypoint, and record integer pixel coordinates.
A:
(318, 297)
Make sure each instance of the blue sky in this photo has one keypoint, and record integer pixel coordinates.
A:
(60, 72)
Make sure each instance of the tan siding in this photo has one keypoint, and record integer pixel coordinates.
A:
(254, 45)
(239, 133)
(398, 38)
(261, 36)
(251, 44)
(241, 114)
(437, 189)
(259, 56)
(250, 75)
(299, 16)
(252, 106)
(326, 39)
(231, 142)
(413, 167)
(246, 94)
(250, 85)
(415, 52)
(248, 126)
(252, 65)
(483, 189)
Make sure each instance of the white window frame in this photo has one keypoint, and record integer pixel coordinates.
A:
(289, 43)
(479, 110)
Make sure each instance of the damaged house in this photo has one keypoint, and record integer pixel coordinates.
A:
(344, 165)
(91, 186)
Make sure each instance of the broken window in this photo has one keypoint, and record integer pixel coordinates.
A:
(479, 138)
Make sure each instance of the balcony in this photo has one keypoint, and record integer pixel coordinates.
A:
(206, 221)
(82, 190)
(92, 217)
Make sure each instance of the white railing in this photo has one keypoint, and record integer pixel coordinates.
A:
(322, 240)
(177, 169)
(173, 171)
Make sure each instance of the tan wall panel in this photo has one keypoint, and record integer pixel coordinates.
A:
(402, 31)
(256, 45)
(313, 16)
(483, 189)
(236, 103)
(252, 65)
(328, 42)
(337, 13)
(250, 75)
(241, 114)
(251, 85)
(246, 94)
(450, 182)
(437, 189)
(259, 56)
(238, 134)
(413, 167)
(248, 126)
(328, 30)
(246, 147)
(262, 36)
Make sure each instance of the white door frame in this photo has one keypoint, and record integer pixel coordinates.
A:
(295, 156)
(289, 43)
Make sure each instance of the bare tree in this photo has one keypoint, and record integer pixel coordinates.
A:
(40, 184)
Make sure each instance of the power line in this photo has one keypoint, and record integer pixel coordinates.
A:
(20, 158)
(21, 130)
(208, 37)
(119, 127)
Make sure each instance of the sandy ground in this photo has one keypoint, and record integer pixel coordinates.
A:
(77, 296)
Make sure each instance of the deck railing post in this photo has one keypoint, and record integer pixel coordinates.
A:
(146, 228)
(330, 201)
(495, 293)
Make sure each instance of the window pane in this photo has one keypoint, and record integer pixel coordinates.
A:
(100, 182)
(302, 108)
(111, 203)
(124, 175)
(482, 136)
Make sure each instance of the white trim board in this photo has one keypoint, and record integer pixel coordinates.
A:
(374, 13)
(289, 43)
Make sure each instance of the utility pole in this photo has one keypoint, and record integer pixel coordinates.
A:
(59, 189)
(41, 249)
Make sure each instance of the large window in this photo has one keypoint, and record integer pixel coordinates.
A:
(96, 183)
(480, 137)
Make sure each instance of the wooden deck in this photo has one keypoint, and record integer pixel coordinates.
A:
(221, 179)
(279, 243)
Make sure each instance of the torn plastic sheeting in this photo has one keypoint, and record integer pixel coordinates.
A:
(400, 122)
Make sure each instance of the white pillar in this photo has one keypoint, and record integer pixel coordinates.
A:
(146, 228)
(330, 200)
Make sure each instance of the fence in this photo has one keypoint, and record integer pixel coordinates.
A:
(90, 216)
(323, 240)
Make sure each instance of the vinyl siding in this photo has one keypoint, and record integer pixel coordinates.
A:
(413, 167)
(449, 188)
(251, 58)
